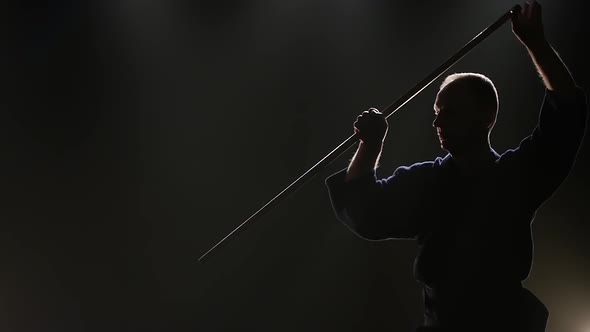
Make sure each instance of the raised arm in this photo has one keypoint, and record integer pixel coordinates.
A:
(544, 159)
(527, 26)
(377, 209)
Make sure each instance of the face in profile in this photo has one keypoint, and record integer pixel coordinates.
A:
(462, 118)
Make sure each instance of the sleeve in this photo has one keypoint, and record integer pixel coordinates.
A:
(378, 209)
(544, 159)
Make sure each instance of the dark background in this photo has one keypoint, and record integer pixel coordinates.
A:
(136, 134)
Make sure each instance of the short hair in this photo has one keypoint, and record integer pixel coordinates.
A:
(481, 85)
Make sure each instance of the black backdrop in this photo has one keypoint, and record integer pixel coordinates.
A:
(135, 134)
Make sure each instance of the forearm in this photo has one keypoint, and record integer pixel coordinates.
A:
(364, 161)
(551, 68)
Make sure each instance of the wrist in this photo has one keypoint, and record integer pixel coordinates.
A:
(536, 45)
(371, 148)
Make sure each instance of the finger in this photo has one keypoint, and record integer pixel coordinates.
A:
(529, 9)
(360, 122)
(536, 8)
(516, 15)
(525, 8)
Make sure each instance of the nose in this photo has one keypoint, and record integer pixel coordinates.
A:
(436, 121)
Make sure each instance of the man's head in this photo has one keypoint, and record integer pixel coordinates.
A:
(466, 107)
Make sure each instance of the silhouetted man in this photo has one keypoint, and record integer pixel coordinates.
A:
(471, 211)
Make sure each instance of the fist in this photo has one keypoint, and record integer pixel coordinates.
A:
(527, 25)
(371, 127)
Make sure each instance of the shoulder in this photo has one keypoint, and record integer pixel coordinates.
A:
(418, 168)
(411, 177)
(507, 156)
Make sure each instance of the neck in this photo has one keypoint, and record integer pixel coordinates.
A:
(480, 152)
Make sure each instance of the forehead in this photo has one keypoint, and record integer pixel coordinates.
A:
(455, 93)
